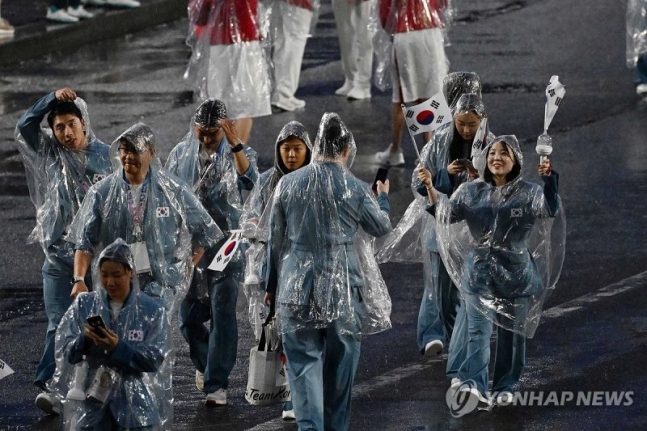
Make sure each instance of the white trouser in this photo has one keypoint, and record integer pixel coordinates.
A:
(355, 40)
(238, 76)
(292, 26)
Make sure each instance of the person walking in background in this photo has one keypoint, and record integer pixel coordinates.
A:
(637, 43)
(291, 21)
(417, 61)
(356, 45)
(228, 62)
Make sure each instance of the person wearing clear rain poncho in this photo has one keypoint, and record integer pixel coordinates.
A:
(316, 277)
(448, 156)
(164, 223)
(61, 165)
(501, 239)
(107, 374)
(213, 161)
(293, 151)
(228, 62)
(410, 47)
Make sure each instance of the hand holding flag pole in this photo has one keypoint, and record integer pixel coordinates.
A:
(554, 95)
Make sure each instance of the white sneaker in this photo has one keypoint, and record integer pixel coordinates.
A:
(123, 3)
(641, 89)
(6, 29)
(199, 380)
(290, 104)
(433, 349)
(388, 157)
(484, 403)
(344, 89)
(48, 403)
(79, 12)
(359, 94)
(60, 15)
(288, 415)
(218, 398)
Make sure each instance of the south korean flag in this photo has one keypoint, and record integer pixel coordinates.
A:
(135, 335)
(162, 212)
(429, 115)
(227, 251)
(478, 147)
(554, 95)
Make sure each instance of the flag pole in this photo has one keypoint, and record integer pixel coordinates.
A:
(413, 140)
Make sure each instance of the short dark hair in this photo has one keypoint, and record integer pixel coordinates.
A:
(63, 108)
(514, 173)
(108, 259)
(209, 112)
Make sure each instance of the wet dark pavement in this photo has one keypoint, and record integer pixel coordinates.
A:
(589, 339)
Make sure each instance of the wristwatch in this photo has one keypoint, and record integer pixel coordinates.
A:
(76, 279)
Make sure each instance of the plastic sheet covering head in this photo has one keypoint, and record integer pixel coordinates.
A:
(503, 246)
(229, 61)
(455, 84)
(103, 382)
(415, 234)
(210, 112)
(318, 274)
(146, 206)
(636, 31)
(58, 177)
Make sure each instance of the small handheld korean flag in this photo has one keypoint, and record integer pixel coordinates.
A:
(227, 251)
(5, 370)
(478, 146)
(554, 95)
(429, 115)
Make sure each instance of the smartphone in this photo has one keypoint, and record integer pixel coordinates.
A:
(96, 322)
(380, 176)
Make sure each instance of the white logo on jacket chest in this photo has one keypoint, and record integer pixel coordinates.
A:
(162, 212)
(97, 177)
(517, 212)
(135, 335)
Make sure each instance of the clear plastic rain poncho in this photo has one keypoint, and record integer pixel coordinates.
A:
(391, 17)
(213, 178)
(504, 246)
(255, 222)
(95, 384)
(58, 178)
(321, 267)
(415, 234)
(636, 31)
(163, 217)
(228, 60)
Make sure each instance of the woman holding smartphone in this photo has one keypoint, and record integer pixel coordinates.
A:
(109, 345)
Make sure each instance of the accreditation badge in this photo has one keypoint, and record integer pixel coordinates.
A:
(140, 253)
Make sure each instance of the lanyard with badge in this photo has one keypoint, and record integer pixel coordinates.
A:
(138, 248)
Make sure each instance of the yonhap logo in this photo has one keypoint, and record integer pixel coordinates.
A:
(459, 400)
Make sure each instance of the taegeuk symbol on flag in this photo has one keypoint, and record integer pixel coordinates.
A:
(429, 115)
(227, 251)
